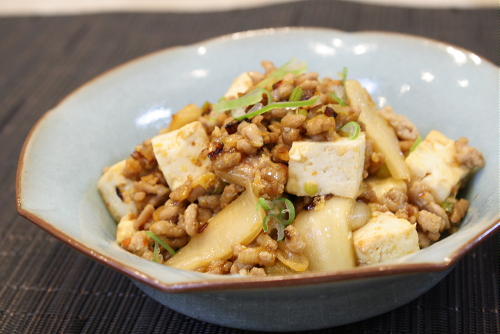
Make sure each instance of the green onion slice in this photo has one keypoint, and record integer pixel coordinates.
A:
(265, 225)
(244, 101)
(351, 129)
(287, 211)
(162, 243)
(277, 105)
(338, 99)
(264, 204)
(297, 94)
(156, 253)
(293, 66)
(343, 74)
(448, 206)
(415, 144)
(280, 228)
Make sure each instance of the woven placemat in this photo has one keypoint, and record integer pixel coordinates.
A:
(47, 287)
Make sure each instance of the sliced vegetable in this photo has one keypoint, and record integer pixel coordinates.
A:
(382, 135)
(238, 223)
(246, 100)
(293, 66)
(186, 115)
(351, 130)
(296, 262)
(278, 105)
(297, 94)
(162, 243)
(327, 234)
(156, 253)
(338, 99)
(415, 144)
(264, 204)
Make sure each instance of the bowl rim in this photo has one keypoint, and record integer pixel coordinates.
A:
(244, 282)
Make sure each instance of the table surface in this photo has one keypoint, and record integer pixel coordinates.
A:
(47, 287)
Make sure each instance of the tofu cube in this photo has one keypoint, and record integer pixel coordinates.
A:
(125, 229)
(114, 189)
(382, 186)
(321, 168)
(385, 237)
(240, 85)
(179, 154)
(433, 163)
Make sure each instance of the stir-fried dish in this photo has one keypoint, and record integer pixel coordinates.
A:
(287, 173)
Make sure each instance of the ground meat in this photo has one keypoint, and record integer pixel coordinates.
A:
(229, 194)
(459, 210)
(181, 193)
(190, 219)
(405, 129)
(421, 197)
(144, 216)
(292, 120)
(394, 200)
(467, 155)
(227, 160)
(266, 241)
(209, 201)
(169, 210)
(243, 145)
(429, 222)
(270, 179)
(318, 124)
(219, 267)
(168, 229)
(290, 135)
(139, 242)
(423, 240)
(284, 91)
(279, 153)
(251, 132)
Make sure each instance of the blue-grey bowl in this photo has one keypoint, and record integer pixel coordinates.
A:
(437, 85)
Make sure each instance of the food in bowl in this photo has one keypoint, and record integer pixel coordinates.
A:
(288, 173)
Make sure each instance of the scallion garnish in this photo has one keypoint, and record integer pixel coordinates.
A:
(244, 101)
(351, 129)
(297, 94)
(338, 99)
(343, 74)
(281, 211)
(156, 253)
(448, 206)
(278, 105)
(280, 229)
(162, 243)
(415, 144)
(293, 66)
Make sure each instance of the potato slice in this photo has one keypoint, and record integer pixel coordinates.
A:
(186, 115)
(238, 223)
(327, 234)
(377, 129)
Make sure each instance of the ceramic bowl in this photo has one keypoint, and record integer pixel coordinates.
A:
(435, 84)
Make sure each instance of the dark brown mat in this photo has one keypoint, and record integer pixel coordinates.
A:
(46, 287)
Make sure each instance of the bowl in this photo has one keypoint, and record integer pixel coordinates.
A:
(437, 85)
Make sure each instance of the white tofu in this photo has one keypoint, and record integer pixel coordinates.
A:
(382, 186)
(125, 229)
(433, 162)
(385, 237)
(179, 154)
(240, 85)
(111, 185)
(328, 167)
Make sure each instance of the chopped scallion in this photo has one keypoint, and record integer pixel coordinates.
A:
(351, 129)
(287, 214)
(343, 74)
(338, 99)
(264, 204)
(162, 243)
(156, 253)
(415, 144)
(265, 224)
(448, 206)
(280, 229)
(297, 94)
(311, 188)
(244, 101)
(278, 105)
(293, 66)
